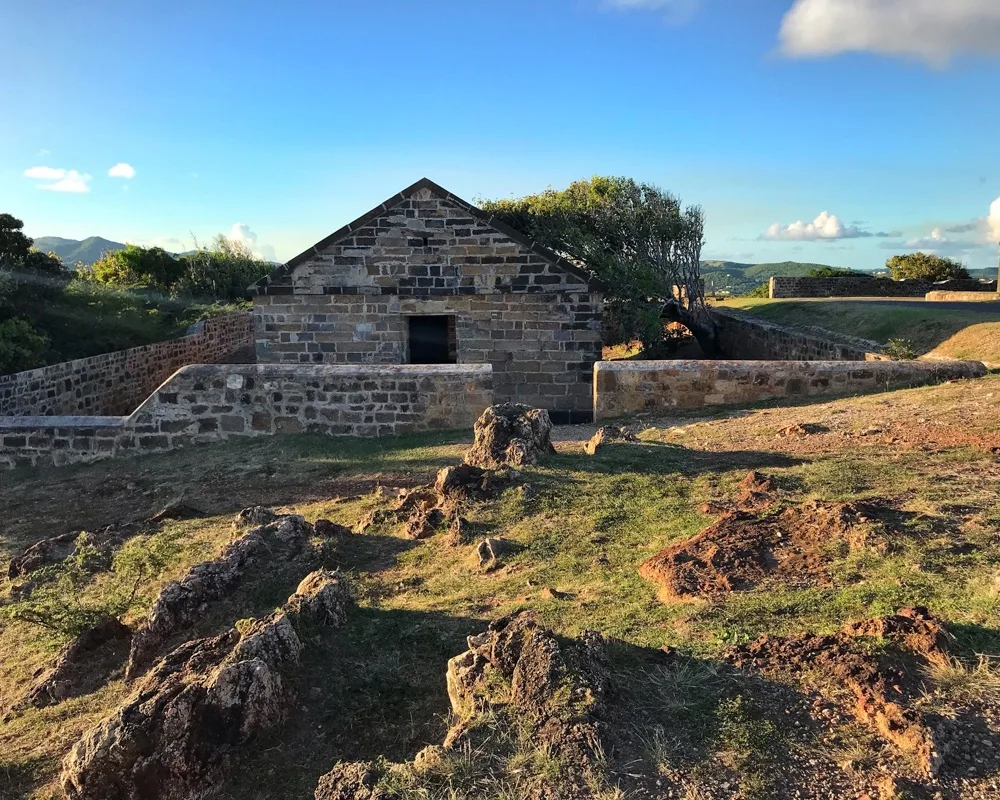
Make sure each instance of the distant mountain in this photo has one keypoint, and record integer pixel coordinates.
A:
(738, 278)
(72, 251)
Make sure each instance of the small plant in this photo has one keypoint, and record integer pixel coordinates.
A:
(900, 350)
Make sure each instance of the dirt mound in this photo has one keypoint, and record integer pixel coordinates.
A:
(609, 434)
(182, 602)
(510, 435)
(882, 682)
(352, 781)
(81, 666)
(179, 733)
(742, 550)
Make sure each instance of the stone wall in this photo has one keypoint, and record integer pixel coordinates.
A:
(533, 317)
(863, 286)
(746, 338)
(962, 297)
(209, 403)
(115, 383)
(628, 387)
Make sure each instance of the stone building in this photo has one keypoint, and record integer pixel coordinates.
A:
(427, 278)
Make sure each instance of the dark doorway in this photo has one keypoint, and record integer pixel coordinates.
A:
(433, 340)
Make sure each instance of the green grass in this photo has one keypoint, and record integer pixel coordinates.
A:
(946, 332)
(375, 688)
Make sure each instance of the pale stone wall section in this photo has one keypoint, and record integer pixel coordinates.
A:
(746, 338)
(629, 387)
(860, 286)
(210, 403)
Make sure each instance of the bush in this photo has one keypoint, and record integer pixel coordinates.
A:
(925, 266)
(834, 272)
(900, 350)
(135, 266)
(21, 346)
(764, 290)
(223, 272)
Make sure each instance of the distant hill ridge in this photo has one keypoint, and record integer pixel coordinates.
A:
(72, 251)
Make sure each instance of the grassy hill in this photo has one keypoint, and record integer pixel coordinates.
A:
(738, 278)
(922, 530)
(72, 251)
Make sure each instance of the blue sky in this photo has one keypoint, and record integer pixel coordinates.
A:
(281, 122)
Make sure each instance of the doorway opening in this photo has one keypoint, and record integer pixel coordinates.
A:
(433, 339)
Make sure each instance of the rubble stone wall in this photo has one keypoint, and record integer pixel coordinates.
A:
(115, 383)
(863, 286)
(746, 338)
(209, 403)
(628, 387)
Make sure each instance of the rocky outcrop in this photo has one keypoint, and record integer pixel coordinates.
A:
(179, 733)
(80, 666)
(182, 602)
(609, 434)
(352, 781)
(510, 435)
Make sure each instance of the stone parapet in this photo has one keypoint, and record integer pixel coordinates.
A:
(628, 387)
(870, 286)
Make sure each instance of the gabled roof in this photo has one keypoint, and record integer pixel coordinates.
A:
(260, 287)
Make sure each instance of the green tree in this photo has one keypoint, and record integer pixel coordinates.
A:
(223, 271)
(21, 346)
(135, 266)
(925, 266)
(27, 276)
(637, 239)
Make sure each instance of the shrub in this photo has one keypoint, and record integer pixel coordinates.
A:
(925, 266)
(900, 350)
(21, 346)
(764, 290)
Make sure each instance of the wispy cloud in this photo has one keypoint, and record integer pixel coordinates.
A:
(242, 233)
(59, 180)
(826, 227)
(122, 170)
(931, 30)
(673, 11)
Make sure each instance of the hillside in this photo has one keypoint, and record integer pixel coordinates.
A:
(701, 681)
(72, 251)
(738, 278)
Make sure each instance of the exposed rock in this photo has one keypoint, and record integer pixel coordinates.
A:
(43, 553)
(181, 602)
(459, 532)
(254, 517)
(510, 435)
(491, 551)
(423, 523)
(549, 593)
(178, 734)
(79, 667)
(351, 781)
(176, 511)
(463, 480)
(756, 492)
(558, 690)
(881, 683)
(607, 435)
(330, 530)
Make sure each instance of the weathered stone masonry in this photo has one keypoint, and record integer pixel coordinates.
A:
(870, 286)
(209, 403)
(743, 337)
(531, 315)
(628, 387)
(115, 383)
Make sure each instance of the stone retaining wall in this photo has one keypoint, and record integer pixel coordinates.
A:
(209, 403)
(115, 383)
(863, 286)
(747, 338)
(627, 387)
(963, 297)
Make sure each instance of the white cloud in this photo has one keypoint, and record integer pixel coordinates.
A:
(826, 227)
(993, 220)
(932, 30)
(676, 11)
(240, 232)
(122, 170)
(62, 180)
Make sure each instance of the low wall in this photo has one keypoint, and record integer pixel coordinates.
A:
(115, 383)
(627, 387)
(963, 297)
(747, 338)
(862, 286)
(213, 402)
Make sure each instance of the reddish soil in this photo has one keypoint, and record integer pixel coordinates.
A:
(882, 681)
(743, 550)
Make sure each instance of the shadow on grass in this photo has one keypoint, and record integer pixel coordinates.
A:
(19, 778)
(661, 458)
(972, 640)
